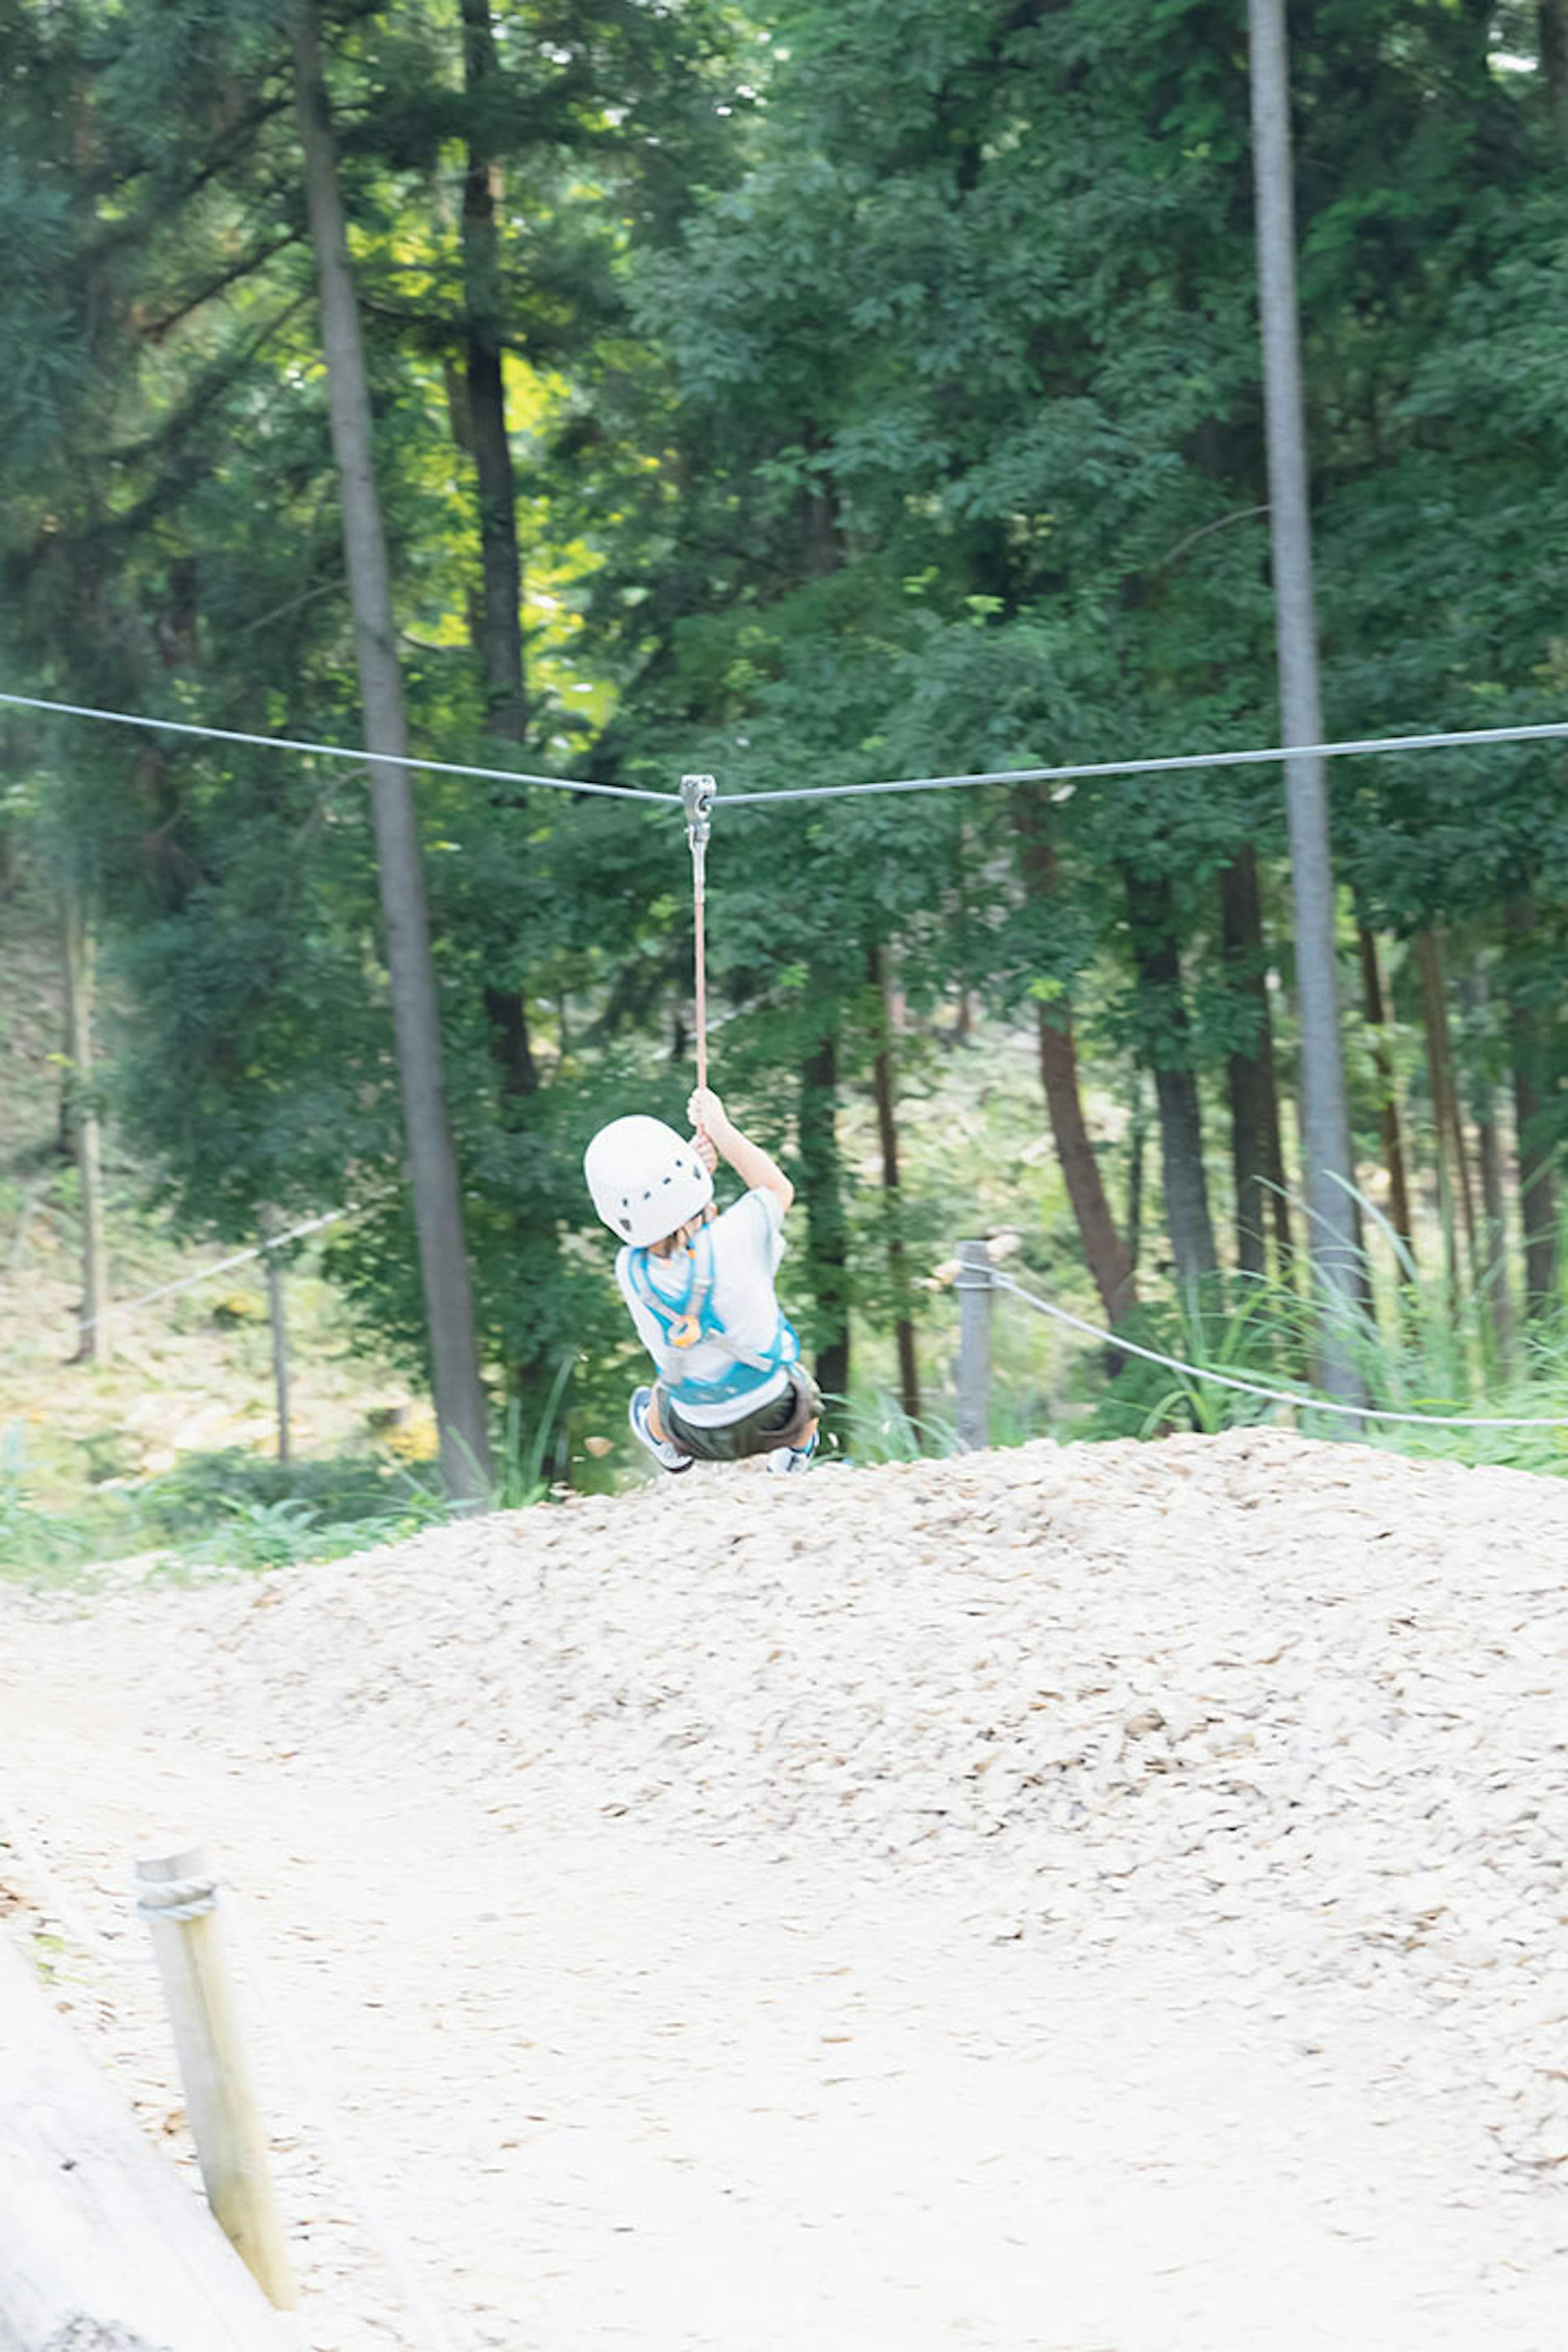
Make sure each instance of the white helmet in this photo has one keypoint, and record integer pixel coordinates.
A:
(645, 1178)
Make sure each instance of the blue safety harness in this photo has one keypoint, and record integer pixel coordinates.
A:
(688, 1319)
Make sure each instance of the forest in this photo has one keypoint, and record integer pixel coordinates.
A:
(806, 396)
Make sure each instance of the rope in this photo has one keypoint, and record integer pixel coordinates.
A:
(1250, 1388)
(698, 794)
(173, 1899)
(1556, 730)
(333, 751)
(116, 1310)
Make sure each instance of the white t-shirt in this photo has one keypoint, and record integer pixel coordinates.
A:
(748, 1243)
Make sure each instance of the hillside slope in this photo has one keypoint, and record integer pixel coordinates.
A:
(1065, 1898)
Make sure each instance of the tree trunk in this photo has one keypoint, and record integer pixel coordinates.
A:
(1446, 1111)
(1552, 20)
(1327, 1172)
(1249, 1076)
(1151, 909)
(1537, 1181)
(1377, 1005)
(458, 1395)
(1110, 1261)
(500, 630)
(826, 1218)
(496, 616)
(79, 1123)
(887, 1132)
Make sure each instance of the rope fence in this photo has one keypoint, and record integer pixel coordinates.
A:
(977, 1279)
(117, 1309)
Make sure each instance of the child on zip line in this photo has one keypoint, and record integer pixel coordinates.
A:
(700, 1286)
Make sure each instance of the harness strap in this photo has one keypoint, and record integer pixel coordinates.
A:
(694, 1307)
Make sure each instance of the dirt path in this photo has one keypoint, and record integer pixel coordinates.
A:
(1073, 1901)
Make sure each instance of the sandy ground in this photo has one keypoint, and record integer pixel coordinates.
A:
(1074, 1900)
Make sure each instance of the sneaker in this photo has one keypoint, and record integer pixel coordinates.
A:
(668, 1456)
(793, 1461)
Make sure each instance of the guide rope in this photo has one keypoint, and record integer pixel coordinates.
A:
(1249, 1388)
(116, 1311)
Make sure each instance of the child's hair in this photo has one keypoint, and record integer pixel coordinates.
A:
(672, 1241)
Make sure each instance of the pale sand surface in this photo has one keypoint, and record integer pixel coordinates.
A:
(1073, 1900)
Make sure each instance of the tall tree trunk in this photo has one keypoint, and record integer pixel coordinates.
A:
(1377, 1005)
(1254, 1103)
(79, 1123)
(1150, 909)
(1106, 1254)
(496, 614)
(1552, 21)
(1454, 1177)
(888, 1133)
(1538, 1209)
(500, 630)
(827, 1217)
(1328, 1173)
(448, 1305)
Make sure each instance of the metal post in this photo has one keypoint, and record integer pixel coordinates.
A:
(179, 1898)
(973, 1284)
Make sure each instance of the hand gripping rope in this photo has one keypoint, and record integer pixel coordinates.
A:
(698, 794)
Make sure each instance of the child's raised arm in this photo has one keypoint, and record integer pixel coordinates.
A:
(756, 1169)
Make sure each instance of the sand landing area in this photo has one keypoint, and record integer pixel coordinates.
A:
(1077, 1900)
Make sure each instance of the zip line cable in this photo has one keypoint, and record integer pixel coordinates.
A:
(1250, 1388)
(1080, 771)
(333, 751)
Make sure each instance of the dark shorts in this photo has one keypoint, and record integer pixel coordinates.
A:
(783, 1421)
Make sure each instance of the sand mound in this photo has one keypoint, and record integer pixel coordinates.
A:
(1296, 1708)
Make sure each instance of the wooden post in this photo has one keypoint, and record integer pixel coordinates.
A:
(179, 1899)
(105, 2247)
(82, 1124)
(276, 1316)
(973, 1284)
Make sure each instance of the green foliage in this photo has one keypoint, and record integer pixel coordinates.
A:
(882, 394)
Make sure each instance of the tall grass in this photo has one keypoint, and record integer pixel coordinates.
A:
(1420, 1344)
